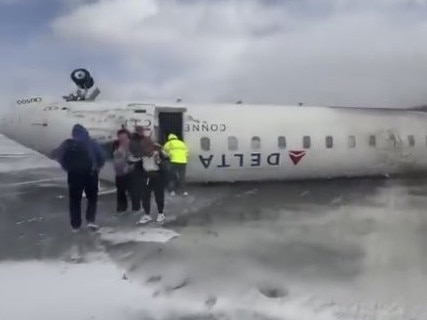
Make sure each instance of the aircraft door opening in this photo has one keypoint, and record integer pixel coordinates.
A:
(170, 122)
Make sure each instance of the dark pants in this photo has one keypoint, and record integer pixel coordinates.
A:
(137, 181)
(177, 177)
(123, 189)
(155, 183)
(77, 183)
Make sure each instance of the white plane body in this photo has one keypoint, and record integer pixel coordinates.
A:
(237, 142)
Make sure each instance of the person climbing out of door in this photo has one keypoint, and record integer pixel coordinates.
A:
(153, 160)
(177, 151)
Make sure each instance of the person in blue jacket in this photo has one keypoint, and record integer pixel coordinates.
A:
(82, 158)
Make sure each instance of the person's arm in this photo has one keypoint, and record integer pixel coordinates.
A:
(58, 153)
(99, 155)
(114, 147)
(164, 154)
(166, 147)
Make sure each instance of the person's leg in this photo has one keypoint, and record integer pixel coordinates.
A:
(146, 201)
(121, 199)
(144, 189)
(146, 196)
(75, 191)
(173, 178)
(181, 170)
(135, 185)
(91, 191)
(159, 195)
(159, 192)
(127, 188)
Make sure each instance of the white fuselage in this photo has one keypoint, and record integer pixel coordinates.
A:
(246, 142)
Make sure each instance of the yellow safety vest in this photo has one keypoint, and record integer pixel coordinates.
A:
(176, 149)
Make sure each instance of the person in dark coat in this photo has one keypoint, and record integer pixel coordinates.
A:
(136, 178)
(82, 158)
(122, 169)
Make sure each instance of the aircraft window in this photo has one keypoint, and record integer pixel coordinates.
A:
(372, 141)
(352, 142)
(233, 143)
(329, 141)
(256, 142)
(306, 142)
(281, 141)
(205, 144)
(411, 140)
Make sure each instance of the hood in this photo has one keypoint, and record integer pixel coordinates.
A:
(80, 133)
(171, 136)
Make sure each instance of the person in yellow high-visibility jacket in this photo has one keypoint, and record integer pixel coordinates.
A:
(178, 154)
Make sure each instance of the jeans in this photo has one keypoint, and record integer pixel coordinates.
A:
(79, 182)
(177, 177)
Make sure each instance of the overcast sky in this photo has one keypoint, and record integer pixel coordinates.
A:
(346, 52)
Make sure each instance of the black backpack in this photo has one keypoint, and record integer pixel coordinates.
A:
(77, 156)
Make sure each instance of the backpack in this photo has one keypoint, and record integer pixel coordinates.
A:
(149, 164)
(77, 156)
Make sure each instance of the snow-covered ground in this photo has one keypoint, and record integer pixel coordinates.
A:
(316, 251)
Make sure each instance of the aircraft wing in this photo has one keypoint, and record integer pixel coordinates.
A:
(418, 108)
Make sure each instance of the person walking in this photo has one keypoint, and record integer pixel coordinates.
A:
(152, 163)
(139, 142)
(122, 169)
(82, 158)
(177, 151)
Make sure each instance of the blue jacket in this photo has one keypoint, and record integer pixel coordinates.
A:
(80, 133)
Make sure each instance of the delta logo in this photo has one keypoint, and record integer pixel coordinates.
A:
(296, 155)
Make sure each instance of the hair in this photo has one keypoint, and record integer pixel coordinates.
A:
(148, 147)
(123, 131)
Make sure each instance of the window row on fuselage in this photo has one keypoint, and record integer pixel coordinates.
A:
(233, 142)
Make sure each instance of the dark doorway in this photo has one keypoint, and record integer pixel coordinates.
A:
(170, 122)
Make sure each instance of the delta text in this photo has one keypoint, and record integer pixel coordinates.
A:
(241, 160)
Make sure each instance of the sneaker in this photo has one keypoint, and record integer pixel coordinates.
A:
(160, 217)
(173, 194)
(185, 194)
(92, 226)
(145, 219)
(75, 230)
